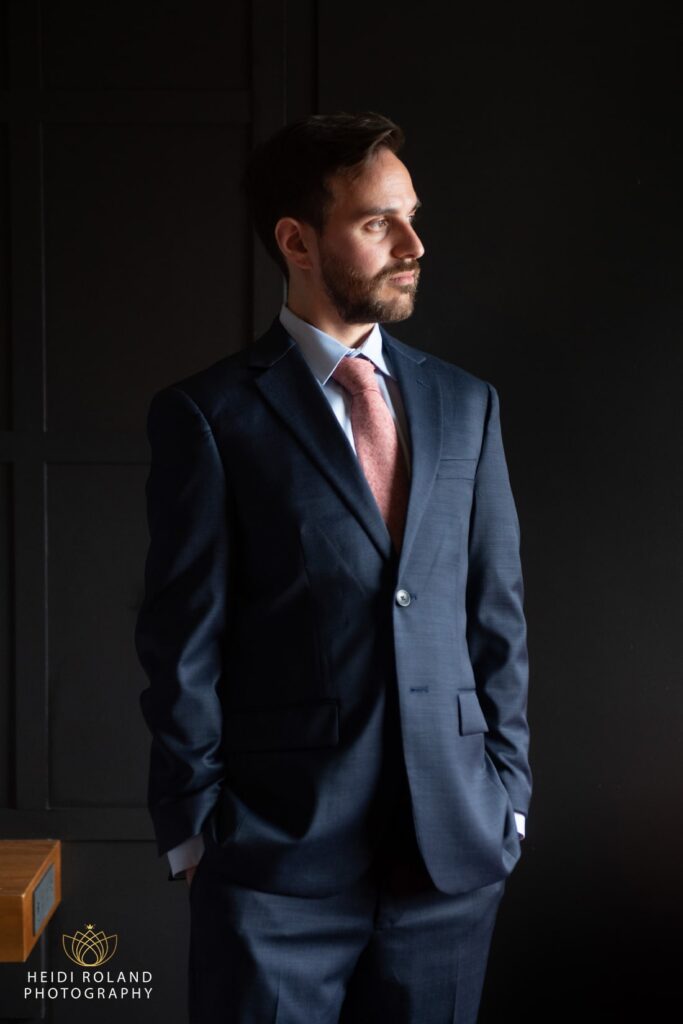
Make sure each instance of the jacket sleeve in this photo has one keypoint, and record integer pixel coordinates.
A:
(181, 627)
(496, 629)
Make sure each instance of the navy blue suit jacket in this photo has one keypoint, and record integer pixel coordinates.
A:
(274, 642)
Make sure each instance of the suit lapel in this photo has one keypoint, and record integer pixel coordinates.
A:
(290, 388)
(421, 396)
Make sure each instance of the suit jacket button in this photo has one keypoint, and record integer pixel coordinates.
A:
(403, 598)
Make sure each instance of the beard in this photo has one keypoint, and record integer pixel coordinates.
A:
(358, 299)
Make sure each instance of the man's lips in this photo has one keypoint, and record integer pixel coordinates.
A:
(406, 278)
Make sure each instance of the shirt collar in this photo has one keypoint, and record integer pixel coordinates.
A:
(323, 353)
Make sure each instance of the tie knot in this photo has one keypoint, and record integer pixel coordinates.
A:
(356, 374)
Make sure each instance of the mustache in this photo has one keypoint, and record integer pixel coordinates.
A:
(408, 267)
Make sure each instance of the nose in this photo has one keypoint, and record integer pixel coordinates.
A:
(407, 244)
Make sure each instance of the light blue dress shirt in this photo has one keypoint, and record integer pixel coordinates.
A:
(323, 353)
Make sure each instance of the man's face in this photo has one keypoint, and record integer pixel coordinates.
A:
(368, 249)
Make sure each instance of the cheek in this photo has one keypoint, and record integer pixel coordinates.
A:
(367, 259)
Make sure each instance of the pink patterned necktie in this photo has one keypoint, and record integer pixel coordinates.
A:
(377, 443)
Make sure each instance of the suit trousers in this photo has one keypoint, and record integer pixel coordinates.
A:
(390, 948)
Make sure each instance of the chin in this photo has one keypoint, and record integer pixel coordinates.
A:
(393, 315)
(392, 312)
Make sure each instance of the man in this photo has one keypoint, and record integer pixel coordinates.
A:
(333, 626)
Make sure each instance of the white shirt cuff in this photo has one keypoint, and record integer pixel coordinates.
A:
(186, 855)
(520, 821)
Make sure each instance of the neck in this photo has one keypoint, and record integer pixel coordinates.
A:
(321, 315)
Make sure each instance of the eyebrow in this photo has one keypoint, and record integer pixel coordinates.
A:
(377, 211)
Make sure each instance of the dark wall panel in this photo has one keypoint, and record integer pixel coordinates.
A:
(5, 324)
(4, 53)
(6, 642)
(145, 264)
(97, 542)
(187, 44)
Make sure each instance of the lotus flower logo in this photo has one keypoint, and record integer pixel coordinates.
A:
(89, 948)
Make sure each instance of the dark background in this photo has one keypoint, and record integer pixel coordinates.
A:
(546, 145)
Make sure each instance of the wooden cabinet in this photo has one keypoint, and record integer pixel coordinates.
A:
(30, 891)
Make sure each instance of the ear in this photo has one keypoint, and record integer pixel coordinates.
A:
(293, 238)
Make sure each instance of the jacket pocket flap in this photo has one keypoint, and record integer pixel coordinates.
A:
(471, 716)
(297, 727)
(452, 468)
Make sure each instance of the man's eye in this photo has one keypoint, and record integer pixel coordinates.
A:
(377, 225)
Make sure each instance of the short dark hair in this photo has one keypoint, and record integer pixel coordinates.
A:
(287, 175)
